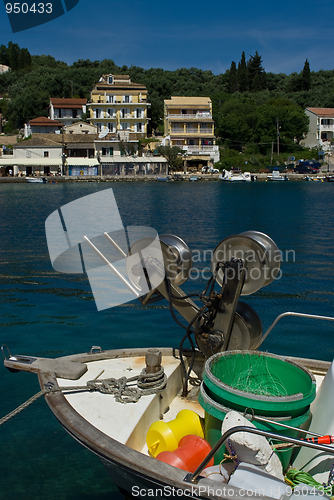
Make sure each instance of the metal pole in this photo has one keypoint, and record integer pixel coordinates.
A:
(277, 136)
(300, 315)
(193, 478)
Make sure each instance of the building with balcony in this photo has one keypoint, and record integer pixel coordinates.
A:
(321, 128)
(118, 108)
(67, 111)
(188, 124)
(41, 125)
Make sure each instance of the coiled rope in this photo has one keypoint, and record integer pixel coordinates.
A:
(146, 384)
(294, 477)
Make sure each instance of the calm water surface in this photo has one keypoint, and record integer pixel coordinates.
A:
(46, 313)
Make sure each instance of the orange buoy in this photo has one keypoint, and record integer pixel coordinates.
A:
(191, 452)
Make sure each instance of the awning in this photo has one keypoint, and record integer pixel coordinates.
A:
(30, 162)
(137, 160)
(85, 162)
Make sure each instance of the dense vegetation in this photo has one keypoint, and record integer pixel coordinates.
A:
(250, 106)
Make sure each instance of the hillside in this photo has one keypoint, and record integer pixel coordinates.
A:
(247, 101)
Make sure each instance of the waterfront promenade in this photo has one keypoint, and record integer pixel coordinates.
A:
(141, 178)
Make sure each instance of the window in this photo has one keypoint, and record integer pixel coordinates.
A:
(140, 127)
(74, 113)
(176, 127)
(46, 154)
(124, 126)
(110, 80)
(139, 113)
(126, 98)
(111, 127)
(107, 151)
(99, 127)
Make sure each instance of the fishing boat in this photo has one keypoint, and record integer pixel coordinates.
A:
(163, 179)
(157, 417)
(232, 177)
(277, 176)
(38, 180)
(313, 179)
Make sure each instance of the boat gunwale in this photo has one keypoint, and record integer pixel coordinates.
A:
(118, 454)
(107, 448)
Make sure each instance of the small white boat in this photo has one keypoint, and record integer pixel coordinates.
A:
(88, 392)
(241, 177)
(277, 176)
(37, 180)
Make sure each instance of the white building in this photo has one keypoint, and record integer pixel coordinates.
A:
(67, 111)
(4, 68)
(321, 128)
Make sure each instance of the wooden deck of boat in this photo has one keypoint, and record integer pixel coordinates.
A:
(127, 423)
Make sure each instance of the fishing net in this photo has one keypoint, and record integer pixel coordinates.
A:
(251, 373)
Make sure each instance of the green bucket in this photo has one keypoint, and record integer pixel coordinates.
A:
(215, 414)
(269, 385)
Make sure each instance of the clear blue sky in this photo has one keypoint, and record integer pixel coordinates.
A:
(187, 33)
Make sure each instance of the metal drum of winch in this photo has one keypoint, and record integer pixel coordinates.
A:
(177, 260)
(246, 331)
(259, 253)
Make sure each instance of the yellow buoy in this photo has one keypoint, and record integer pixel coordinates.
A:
(165, 436)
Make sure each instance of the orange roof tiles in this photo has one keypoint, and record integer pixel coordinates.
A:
(322, 111)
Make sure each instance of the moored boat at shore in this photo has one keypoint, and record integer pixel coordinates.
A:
(277, 176)
(37, 180)
(240, 177)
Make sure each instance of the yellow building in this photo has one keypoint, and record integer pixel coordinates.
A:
(119, 107)
(189, 125)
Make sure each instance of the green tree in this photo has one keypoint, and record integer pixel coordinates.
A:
(232, 81)
(256, 73)
(306, 77)
(172, 155)
(242, 74)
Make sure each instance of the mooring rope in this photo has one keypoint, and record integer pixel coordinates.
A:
(146, 384)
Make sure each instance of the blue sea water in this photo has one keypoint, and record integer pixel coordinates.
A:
(45, 313)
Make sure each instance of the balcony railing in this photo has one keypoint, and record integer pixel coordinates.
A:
(326, 127)
(188, 131)
(104, 101)
(191, 116)
(200, 150)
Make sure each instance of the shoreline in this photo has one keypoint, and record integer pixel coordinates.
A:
(142, 178)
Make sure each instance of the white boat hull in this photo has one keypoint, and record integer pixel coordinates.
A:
(116, 432)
